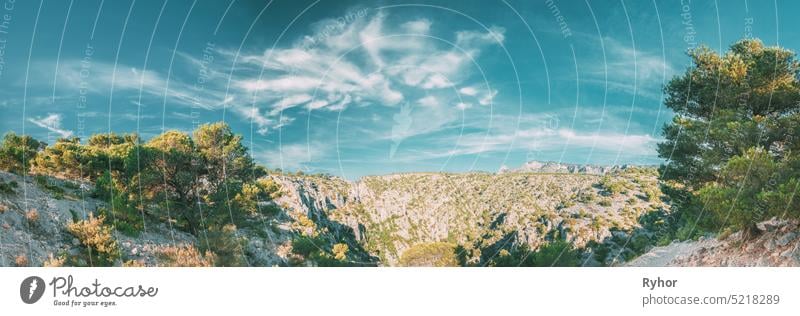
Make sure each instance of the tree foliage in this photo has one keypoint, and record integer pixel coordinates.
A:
(17, 152)
(733, 143)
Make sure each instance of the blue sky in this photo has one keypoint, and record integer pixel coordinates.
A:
(354, 88)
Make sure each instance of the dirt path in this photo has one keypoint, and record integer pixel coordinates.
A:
(663, 256)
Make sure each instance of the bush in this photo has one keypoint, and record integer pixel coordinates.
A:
(613, 186)
(21, 260)
(7, 188)
(586, 196)
(437, 254)
(17, 152)
(305, 245)
(340, 251)
(133, 264)
(97, 239)
(227, 246)
(185, 256)
(605, 202)
(54, 262)
(45, 183)
(557, 253)
(32, 215)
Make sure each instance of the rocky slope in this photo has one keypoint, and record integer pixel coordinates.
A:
(777, 245)
(30, 240)
(390, 214)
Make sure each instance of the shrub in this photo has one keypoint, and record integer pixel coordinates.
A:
(613, 186)
(586, 196)
(227, 246)
(7, 188)
(340, 251)
(185, 256)
(436, 254)
(32, 215)
(651, 194)
(558, 253)
(45, 183)
(21, 260)
(305, 245)
(133, 264)
(17, 152)
(605, 202)
(97, 238)
(54, 261)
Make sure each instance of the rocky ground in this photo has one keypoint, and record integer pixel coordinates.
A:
(777, 245)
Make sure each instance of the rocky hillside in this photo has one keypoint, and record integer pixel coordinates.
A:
(390, 214)
(36, 211)
(372, 221)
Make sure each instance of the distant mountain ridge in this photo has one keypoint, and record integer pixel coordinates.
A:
(535, 166)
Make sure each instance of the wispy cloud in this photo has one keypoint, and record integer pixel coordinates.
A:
(366, 62)
(51, 122)
(291, 156)
(536, 132)
(629, 69)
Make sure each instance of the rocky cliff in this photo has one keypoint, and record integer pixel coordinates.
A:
(389, 214)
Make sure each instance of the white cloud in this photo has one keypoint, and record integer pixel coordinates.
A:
(365, 61)
(429, 101)
(537, 131)
(488, 97)
(291, 156)
(470, 91)
(290, 102)
(51, 122)
(630, 70)
(436, 81)
(421, 26)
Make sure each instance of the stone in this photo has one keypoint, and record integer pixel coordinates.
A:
(786, 239)
(770, 225)
(769, 245)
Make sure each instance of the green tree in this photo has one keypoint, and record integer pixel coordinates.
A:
(17, 152)
(65, 158)
(223, 154)
(736, 124)
(162, 172)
